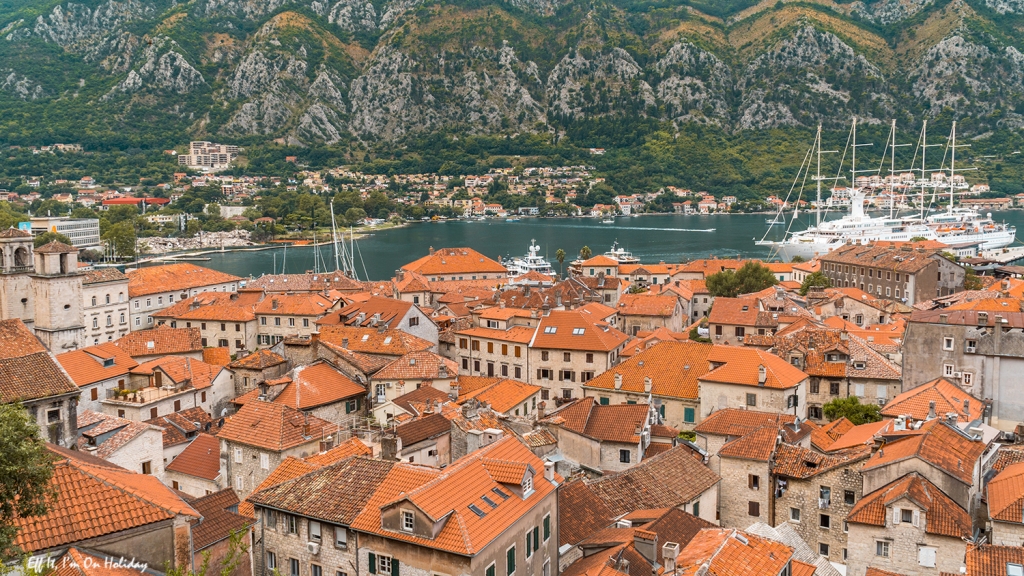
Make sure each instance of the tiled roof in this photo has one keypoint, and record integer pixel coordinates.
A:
(390, 312)
(275, 427)
(448, 494)
(741, 365)
(600, 260)
(1006, 495)
(420, 396)
(214, 307)
(173, 278)
(100, 275)
(290, 467)
(258, 360)
(887, 257)
(93, 425)
(647, 305)
(798, 462)
(823, 438)
(802, 568)
(56, 247)
(423, 428)
(217, 356)
(182, 369)
(539, 438)
(219, 522)
(201, 458)
(160, 341)
(721, 552)
(304, 283)
(504, 395)
(872, 571)
(735, 311)
(815, 345)
(75, 562)
(347, 449)
(573, 330)
(294, 304)
(12, 232)
(967, 318)
(334, 493)
(673, 367)
(757, 445)
(318, 384)
(943, 516)
(94, 498)
(447, 261)
(987, 560)
(422, 365)
(940, 445)
(667, 480)
(177, 424)
(948, 397)
(607, 423)
(96, 363)
(27, 370)
(736, 422)
(1008, 455)
(861, 435)
(597, 310)
(389, 342)
(516, 334)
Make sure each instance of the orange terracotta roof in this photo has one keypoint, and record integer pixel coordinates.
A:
(219, 522)
(419, 397)
(514, 334)
(504, 395)
(93, 499)
(274, 426)
(573, 330)
(27, 370)
(948, 397)
(938, 444)
(647, 305)
(173, 278)
(1007, 456)
(823, 438)
(318, 384)
(447, 261)
(314, 304)
(389, 342)
(943, 516)
(608, 423)
(741, 365)
(1006, 495)
(582, 512)
(668, 480)
(469, 384)
(96, 363)
(258, 360)
(736, 422)
(803, 568)
(798, 462)
(180, 426)
(423, 365)
(600, 260)
(218, 356)
(673, 367)
(423, 427)
(872, 571)
(182, 369)
(75, 562)
(721, 552)
(214, 307)
(757, 445)
(201, 458)
(101, 275)
(161, 340)
(597, 310)
(996, 305)
(987, 560)
(862, 435)
(500, 313)
(742, 311)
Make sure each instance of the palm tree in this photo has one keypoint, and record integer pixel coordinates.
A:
(560, 256)
(585, 252)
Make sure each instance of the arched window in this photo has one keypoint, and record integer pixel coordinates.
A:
(93, 300)
(108, 298)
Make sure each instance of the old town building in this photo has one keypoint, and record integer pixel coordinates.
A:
(153, 288)
(901, 273)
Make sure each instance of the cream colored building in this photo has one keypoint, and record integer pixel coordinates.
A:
(105, 305)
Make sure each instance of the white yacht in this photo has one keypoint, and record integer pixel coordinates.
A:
(621, 255)
(532, 262)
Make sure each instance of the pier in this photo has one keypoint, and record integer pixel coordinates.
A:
(1004, 255)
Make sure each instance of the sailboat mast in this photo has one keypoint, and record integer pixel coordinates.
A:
(952, 168)
(892, 171)
(334, 236)
(924, 150)
(817, 203)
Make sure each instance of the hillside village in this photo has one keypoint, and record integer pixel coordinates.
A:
(457, 419)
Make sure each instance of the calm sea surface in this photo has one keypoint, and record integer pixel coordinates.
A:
(671, 238)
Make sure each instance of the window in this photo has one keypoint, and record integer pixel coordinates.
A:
(815, 385)
(882, 548)
(93, 300)
(291, 322)
(463, 343)
(270, 519)
(529, 544)
(94, 394)
(518, 352)
(291, 524)
(263, 320)
(510, 561)
(566, 357)
(740, 331)
(689, 415)
(527, 485)
(718, 330)
(1014, 569)
(696, 508)
(408, 520)
(340, 537)
(824, 521)
(147, 467)
(753, 481)
(947, 343)
(624, 456)
(968, 378)
(751, 399)
(550, 329)
(794, 514)
(814, 412)
(95, 322)
(238, 455)
(315, 570)
(490, 570)
(271, 560)
(823, 549)
(947, 370)
(414, 321)
(277, 321)
(849, 497)
(547, 527)
(293, 566)
(833, 388)
(504, 349)
(518, 373)
(753, 508)
(907, 515)
(926, 558)
(314, 531)
(578, 331)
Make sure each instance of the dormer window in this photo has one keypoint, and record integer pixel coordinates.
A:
(550, 329)
(408, 521)
(527, 485)
(108, 362)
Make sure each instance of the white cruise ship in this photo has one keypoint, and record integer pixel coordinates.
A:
(621, 255)
(532, 262)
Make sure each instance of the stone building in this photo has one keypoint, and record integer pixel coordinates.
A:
(1005, 502)
(153, 288)
(105, 306)
(281, 316)
(602, 438)
(410, 372)
(57, 293)
(569, 349)
(135, 446)
(262, 434)
(499, 348)
(15, 284)
(250, 371)
(646, 312)
(746, 488)
(381, 312)
(726, 425)
(752, 379)
(171, 384)
(904, 274)
(196, 469)
(908, 526)
(96, 370)
(731, 320)
(225, 320)
(814, 494)
(322, 390)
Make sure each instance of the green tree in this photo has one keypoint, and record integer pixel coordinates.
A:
(122, 237)
(751, 277)
(353, 215)
(972, 281)
(797, 259)
(560, 256)
(814, 279)
(47, 237)
(25, 471)
(918, 239)
(585, 253)
(851, 409)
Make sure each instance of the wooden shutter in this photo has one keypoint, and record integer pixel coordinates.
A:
(547, 527)
(373, 563)
(895, 516)
(394, 567)
(917, 518)
(536, 538)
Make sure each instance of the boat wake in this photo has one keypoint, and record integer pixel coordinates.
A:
(630, 228)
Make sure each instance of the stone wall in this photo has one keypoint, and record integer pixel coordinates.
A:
(905, 542)
(1007, 534)
(804, 495)
(736, 494)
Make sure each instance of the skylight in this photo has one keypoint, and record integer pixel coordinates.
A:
(550, 329)
(577, 331)
(476, 510)
(366, 337)
(489, 502)
(499, 492)
(387, 340)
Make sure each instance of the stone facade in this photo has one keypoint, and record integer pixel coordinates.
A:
(902, 548)
(246, 467)
(1007, 533)
(563, 372)
(239, 337)
(106, 311)
(745, 492)
(336, 552)
(718, 396)
(57, 292)
(276, 327)
(478, 355)
(933, 276)
(845, 488)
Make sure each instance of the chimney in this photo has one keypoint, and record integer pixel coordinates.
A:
(951, 418)
(931, 410)
(273, 304)
(558, 301)
(618, 381)
(344, 343)
(431, 250)
(648, 384)
(390, 447)
(542, 409)
(762, 375)
(646, 543)
(549, 471)
(967, 408)
(669, 553)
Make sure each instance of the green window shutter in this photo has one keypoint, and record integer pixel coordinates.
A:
(373, 563)
(547, 527)
(630, 401)
(394, 567)
(536, 538)
(661, 410)
(359, 403)
(490, 570)
(696, 508)
(688, 414)
(510, 561)
(604, 401)
(529, 542)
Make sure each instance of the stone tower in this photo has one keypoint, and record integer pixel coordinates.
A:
(57, 290)
(16, 297)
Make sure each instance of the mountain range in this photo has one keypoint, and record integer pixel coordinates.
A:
(160, 72)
